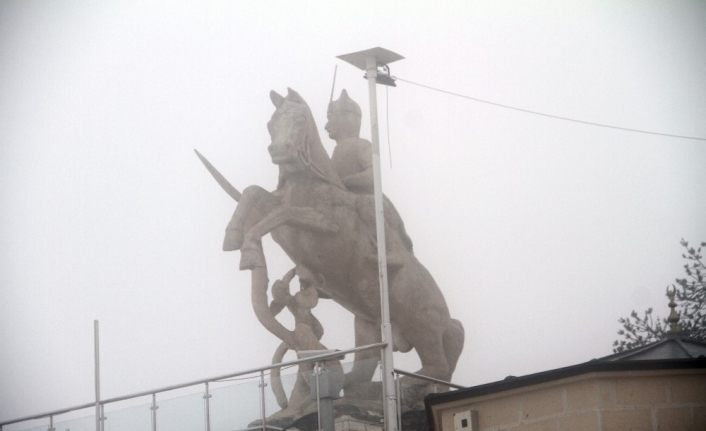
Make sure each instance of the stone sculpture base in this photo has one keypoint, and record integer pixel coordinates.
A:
(360, 409)
(348, 420)
(347, 423)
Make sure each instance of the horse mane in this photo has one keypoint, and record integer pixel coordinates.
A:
(312, 154)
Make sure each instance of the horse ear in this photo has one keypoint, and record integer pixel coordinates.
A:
(293, 95)
(276, 99)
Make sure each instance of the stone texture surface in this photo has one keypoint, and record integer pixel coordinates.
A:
(539, 404)
(627, 420)
(699, 414)
(606, 393)
(351, 424)
(583, 396)
(646, 401)
(689, 389)
(586, 421)
(675, 419)
(641, 391)
(503, 412)
(543, 425)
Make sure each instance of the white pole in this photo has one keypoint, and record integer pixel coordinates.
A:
(96, 356)
(388, 381)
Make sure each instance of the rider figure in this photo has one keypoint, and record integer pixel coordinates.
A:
(352, 161)
(352, 156)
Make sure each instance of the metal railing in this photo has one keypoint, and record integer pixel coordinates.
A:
(428, 379)
(153, 392)
(316, 359)
(399, 393)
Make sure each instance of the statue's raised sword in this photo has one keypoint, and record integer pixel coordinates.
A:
(259, 275)
(220, 179)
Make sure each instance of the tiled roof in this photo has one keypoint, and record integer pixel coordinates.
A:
(672, 347)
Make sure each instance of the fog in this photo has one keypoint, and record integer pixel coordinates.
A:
(541, 233)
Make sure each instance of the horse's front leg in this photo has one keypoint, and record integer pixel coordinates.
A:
(303, 217)
(255, 203)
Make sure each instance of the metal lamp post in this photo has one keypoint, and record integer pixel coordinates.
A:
(369, 60)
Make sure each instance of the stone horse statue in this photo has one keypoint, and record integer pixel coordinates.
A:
(319, 225)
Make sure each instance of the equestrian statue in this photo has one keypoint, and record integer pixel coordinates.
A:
(322, 215)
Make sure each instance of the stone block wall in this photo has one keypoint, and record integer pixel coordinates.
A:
(615, 401)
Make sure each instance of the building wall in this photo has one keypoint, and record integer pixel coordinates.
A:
(615, 401)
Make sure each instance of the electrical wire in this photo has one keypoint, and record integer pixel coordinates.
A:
(556, 117)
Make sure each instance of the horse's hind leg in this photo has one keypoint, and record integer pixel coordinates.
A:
(255, 203)
(365, 362)
(428, 342)
(454, 337)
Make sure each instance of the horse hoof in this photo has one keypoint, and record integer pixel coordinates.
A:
(251, 259)
(233, 240)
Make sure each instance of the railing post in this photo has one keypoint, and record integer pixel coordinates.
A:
(262, 401)
(102, 418)
(317, 372)
(96, 366)
(207, 408)
(328, 386)
(398, 392)
(51, 423)
(154, 408)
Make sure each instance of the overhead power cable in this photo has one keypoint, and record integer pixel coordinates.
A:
(556, 117)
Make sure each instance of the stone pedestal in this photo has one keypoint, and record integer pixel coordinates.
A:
(348, 423)
(354, 421)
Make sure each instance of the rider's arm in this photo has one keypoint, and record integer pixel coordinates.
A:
(362, 180)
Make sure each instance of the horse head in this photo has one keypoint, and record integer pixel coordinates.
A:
(295, 143)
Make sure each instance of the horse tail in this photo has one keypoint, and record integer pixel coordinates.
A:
(453, 339)
(276, 378)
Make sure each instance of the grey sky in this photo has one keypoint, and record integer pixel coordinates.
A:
(540, 233)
